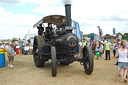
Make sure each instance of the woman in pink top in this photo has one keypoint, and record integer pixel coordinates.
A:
(122, 55)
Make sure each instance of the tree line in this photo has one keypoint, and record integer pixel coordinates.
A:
(124, 36)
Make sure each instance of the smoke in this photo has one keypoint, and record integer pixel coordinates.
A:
(67, 1)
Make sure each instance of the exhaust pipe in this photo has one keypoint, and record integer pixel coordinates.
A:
(68, 12)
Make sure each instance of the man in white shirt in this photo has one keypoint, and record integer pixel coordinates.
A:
(26, 50)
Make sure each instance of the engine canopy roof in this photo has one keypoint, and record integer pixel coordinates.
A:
(52, 19)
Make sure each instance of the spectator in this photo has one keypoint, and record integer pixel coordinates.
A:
(6, 45)
(26, 49)
(122, 55)
(13, 45)
(97, 49)
(126, 43)
(84, 43)
(117, 47)
(103, 43)
(107, 48)
(30, 49)
(10, 54)
(111, 45)
(101, 50)
(21, 47)
(1, 46)
(93, 47)
(90, 44)
(114, 48)
(80, 48)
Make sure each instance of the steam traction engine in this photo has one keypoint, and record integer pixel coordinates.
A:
(58, 43)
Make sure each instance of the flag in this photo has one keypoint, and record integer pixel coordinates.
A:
(114, 31)
(92, 36)
(100, 31)
(77, 30)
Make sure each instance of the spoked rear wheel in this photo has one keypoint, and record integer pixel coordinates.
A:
(38, 41)
(53, 61)
(88, 59)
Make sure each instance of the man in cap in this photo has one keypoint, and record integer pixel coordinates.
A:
(11, 54)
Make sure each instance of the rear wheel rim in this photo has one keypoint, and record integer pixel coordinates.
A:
(35, 53)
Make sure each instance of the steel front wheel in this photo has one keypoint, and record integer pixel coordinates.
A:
(38, 61)
(88, 59)
(53, 61)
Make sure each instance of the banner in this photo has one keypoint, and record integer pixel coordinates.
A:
(92, 36)
(74, 25)
(77, 30)
(114, 31)
(100, 31)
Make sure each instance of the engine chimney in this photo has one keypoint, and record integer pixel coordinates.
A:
(68, 14)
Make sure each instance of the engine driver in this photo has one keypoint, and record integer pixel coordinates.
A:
(40, 29)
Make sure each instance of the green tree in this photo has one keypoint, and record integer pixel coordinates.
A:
(125, 34)
(84, 35)
(14, 39)
(117, 34)
(88, 35)
(107, 35)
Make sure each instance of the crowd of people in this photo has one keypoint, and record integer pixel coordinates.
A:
(12, 49)
(22, 48)
(118, 47)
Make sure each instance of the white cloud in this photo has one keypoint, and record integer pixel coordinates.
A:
(44, 2)
(107, 14)
(50, 10)
(16, 25)
(90, 12)
(2, 12)
(11, 1)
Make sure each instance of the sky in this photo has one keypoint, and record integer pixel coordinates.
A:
(17, 17)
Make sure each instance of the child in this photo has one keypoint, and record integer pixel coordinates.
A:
(97, 50)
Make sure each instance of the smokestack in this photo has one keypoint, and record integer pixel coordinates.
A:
(68, 12)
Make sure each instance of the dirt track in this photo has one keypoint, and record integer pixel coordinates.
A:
(25, 73)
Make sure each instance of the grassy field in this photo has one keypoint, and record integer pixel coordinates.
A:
(25, 73)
